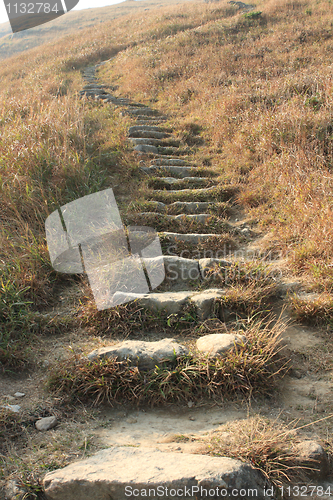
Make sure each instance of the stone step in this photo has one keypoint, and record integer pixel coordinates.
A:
(111, 98)
(182, 192)
(93, 87)
(201, 218)
(174, 302)
(181, 172)
(144, 128)
(170, 150)
(142, 120)
(154, 142)
(169, 162)
(181, 270)
(142, 111)
(190, 207)
(118, 102)
(191, 238)
(126, 472)
(146, 149)
(95, 93)
(151, 134)
(180, 182)
(185, 207)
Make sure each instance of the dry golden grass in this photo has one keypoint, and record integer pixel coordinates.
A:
(250, 94)
(268, 445)
(260, 87)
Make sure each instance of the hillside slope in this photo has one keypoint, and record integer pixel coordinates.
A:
(72, 22)
(213, 126)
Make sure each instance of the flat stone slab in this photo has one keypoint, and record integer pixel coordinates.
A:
(145, 355)
(217, 344)
(172, 302)
(189, 179)
(158, 205)
(154, 142)
(121, 472)
(193, 238)
(182, 172)
(202, 218)
(146, 148)
(142, 119)
(139, 128)
(182, 192)
(150, 134)
(179, 269)
(205, 300)
(192, 207)
(141, 111)
(169, 161)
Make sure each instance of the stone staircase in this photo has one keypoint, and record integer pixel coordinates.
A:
(188, 199)
(185, 196)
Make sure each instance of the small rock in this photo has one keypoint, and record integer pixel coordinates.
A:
(190, 404)
(142, 148)
(312, 455)
(217, 344)
(13, 408)
(191, 418)
(19, 394)
(46, 423)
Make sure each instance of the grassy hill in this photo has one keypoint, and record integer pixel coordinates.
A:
(247, 95)
(72, 22)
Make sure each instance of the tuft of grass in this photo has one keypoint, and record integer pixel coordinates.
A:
(317, 310)
(268, 445)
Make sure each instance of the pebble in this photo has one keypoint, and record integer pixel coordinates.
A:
(13, 408)
(46, 423)
(19, 394)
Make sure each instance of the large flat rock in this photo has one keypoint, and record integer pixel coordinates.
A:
(121, 473)
(193, 238)
(145, 355)
(171, 302)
